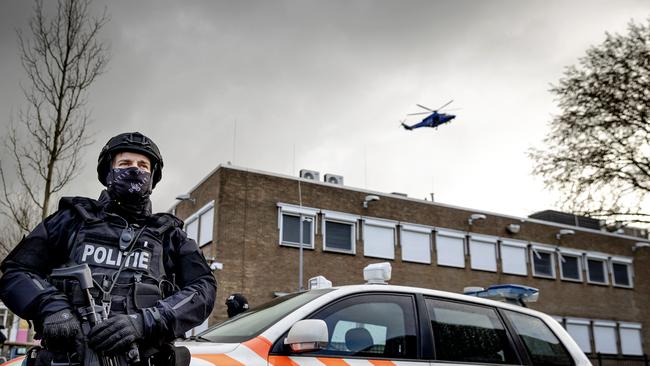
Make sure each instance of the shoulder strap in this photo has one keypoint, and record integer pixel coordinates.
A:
(87, 208)
(165, 222)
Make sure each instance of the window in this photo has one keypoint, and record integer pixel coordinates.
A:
(206, 222)
(289, 217)
(469, 333)
(543, 346)
(570, 264)
(192, 230)
(631, 339)
(199, 226)
(579, 331)
(291, 230)
(415, 241)
(621, 269)
(483, 253)
(597, 269)
(450, 248)
(605, 336)
(543, 261)
(256, 320)
(513, 257)
(379, 238)
(339, 232)
(358, 326)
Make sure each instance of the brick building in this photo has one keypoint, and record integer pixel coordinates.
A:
(596, 283)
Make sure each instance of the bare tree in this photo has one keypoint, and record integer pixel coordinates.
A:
(62, 57)
(598, 149)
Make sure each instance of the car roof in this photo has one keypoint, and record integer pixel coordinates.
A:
(350, 289)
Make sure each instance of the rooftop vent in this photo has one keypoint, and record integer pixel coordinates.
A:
(309, 174)
(399, 194)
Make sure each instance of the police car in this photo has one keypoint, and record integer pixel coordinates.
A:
(383, 325)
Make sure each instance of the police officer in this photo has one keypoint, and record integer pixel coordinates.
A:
(148, 275)
(236, 304)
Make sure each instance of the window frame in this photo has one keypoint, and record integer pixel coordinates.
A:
(340, 218)
(543, 249)
(425, 316)
(194, 220)
(300, 212)
(450, 234)
(380, 223)
(566, 252)
(483, 239)
(634, 326)
(522, 348)
(196, 216)
(605, 324)
(514, 244)
(418, 229)
(628, 262)
(604, 259)
(581, 322)
(414, 311)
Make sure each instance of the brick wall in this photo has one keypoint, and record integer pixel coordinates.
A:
(247, 243)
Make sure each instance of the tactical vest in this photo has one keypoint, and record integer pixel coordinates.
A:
(126, 260)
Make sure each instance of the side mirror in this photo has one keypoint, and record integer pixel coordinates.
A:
(307, 335)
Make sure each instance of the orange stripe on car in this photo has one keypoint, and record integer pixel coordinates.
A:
(381, 362)
(282, 361)
(332, 361)
(220, 360)
(259, 345)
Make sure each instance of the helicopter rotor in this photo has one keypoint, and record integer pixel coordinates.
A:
(427, 108)
(444, 105)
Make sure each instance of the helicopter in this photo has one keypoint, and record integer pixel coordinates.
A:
(434, 119)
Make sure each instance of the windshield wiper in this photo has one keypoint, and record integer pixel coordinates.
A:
(198, 339)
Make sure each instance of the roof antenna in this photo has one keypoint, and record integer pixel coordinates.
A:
(234, 140)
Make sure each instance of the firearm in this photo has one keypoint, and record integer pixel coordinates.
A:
(91, 315)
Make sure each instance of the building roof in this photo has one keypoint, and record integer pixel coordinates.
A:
(588, 227)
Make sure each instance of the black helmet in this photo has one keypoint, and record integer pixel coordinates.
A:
(236, 304)
(133, 142)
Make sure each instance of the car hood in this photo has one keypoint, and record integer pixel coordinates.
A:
(250, 352)
(203, 352)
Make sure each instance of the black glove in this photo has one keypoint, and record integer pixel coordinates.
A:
(61, 327)
(116, 333)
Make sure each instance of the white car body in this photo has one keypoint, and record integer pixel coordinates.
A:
(258, 349)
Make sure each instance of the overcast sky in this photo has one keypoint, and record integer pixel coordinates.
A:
(284, 85)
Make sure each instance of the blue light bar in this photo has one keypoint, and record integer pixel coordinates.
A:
(510, 293)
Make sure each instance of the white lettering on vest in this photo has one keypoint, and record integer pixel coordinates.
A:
(100, 255)
(144, 260)
(88, 250)
(110, 259)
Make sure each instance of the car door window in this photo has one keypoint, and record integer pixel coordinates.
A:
(540, 341)
(469, 333)
(371, 326)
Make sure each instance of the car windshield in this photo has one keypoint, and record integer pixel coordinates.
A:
(253, 322)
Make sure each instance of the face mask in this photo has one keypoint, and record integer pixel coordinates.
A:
(129, 185)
